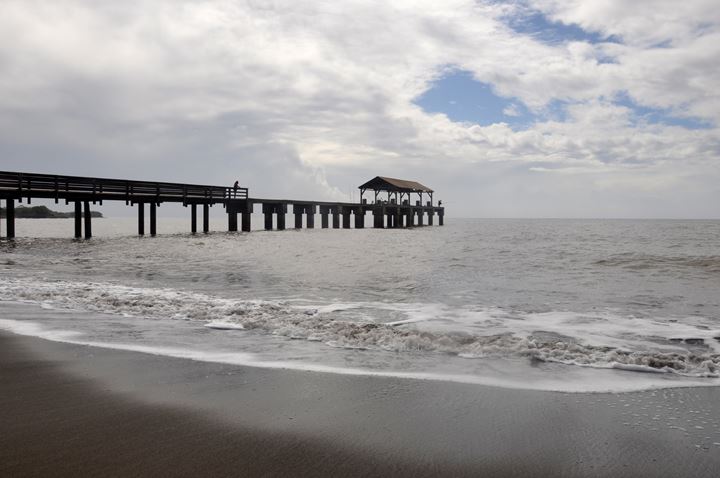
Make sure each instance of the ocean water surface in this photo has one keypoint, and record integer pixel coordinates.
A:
(568, 305)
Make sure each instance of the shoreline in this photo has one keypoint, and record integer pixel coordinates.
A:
(70, 409)
(522, 376)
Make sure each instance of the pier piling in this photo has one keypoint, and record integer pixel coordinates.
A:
(141, 219)
(246, 218)
(310, 216)
(78, 220)
(409, 218)
(281, 211)
(325, 216)
(206, 218)
(309, 211)
(10, 218)
(193, 218)
(153, 219)
(88, 220)
(359, 218)
(244, 208)
(378, 218)
(232, 221)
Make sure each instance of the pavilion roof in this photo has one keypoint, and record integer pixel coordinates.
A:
(383, 183)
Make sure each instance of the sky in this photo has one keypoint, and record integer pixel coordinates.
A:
(525, 108)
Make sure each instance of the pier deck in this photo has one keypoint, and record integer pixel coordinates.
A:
(18, 186)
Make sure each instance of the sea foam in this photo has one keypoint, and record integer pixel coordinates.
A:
(685, 347)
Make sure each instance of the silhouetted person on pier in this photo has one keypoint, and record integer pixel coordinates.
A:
(235, 188)
(440, 203)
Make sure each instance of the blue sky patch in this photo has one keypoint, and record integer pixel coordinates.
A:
(543, 29)
(644, 114)
(463, 99)
(556, 110)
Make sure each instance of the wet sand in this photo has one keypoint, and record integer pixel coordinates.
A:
(70, 410)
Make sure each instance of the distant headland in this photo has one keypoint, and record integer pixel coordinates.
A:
(42, 212)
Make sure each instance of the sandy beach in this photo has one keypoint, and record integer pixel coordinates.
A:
(69, 410)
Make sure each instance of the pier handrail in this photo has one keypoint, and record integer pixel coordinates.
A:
(29, 184)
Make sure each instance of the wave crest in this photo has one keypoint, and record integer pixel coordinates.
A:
(284, 319)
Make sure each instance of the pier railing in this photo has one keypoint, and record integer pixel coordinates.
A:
(74, 187)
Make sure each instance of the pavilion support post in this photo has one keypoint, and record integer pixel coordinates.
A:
(193, 218)
(420, 214)
(430, 217)
(232, 221)
(153, 219)
(409, 218)
(346, 218)
(88, 220)
(10, 218)
(246, 219)
(298, 218)
(398, 221)
(206, 218)
(78, 220)
(141, 219)
(336, 219)
(441, 218)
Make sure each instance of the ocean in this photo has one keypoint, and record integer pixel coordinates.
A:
(564, 305)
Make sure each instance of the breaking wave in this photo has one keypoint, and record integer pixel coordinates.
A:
(559, 337)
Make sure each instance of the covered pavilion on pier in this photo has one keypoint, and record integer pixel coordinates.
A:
(398, 191)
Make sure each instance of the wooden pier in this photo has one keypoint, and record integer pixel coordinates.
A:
(393, 212)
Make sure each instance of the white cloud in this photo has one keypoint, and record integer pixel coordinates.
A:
(638, 23)
(303, 98)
